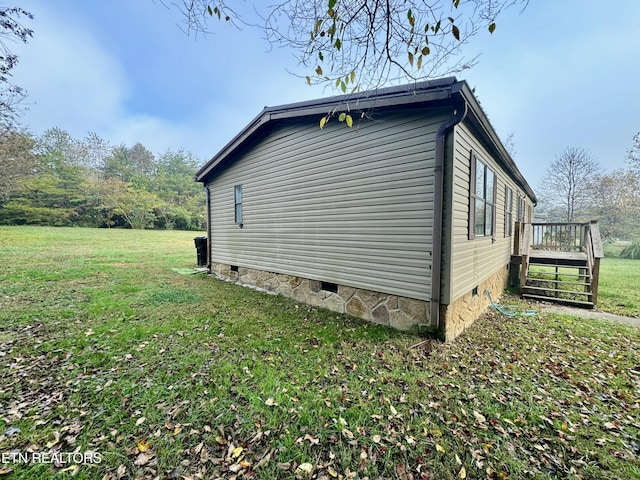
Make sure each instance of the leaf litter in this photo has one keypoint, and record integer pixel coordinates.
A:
(541, 398)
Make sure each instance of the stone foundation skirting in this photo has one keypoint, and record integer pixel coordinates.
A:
(380, 308)
(459, 316)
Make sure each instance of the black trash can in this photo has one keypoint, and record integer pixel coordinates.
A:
(201, 249)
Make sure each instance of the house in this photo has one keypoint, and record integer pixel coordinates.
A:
(404, 219)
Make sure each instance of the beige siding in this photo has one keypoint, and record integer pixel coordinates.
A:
(347, 206)
(467, 263)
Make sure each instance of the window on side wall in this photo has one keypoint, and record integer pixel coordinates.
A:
(482, 218)
(237, 194)
(508, 212)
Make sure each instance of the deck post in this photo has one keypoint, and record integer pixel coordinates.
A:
(516, 238)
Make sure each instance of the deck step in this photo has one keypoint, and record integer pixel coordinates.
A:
(557, 282)
(572, 275)
(566, 301)
(559, 264)
(555, 290)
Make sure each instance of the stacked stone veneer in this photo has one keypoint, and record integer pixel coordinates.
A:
(459, 316)
(381, 308)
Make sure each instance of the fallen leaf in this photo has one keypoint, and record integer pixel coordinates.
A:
(269, 402)
(143, 446)
(376, 438)
(72, 468)
(140, 421)
(479, 417)
(313, 441)
(439, 448)
(236, 452)
(304, 468)
(462, 473)
(143, 459)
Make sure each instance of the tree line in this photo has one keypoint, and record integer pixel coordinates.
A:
(58, 180)
(576, 188)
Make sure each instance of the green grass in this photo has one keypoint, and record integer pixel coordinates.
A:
(619, 286)
(105, 348)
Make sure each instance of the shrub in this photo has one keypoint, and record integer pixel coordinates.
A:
(631, 251)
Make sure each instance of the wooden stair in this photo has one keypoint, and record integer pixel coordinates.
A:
(562, 277)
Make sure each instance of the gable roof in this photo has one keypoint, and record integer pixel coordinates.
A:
(431, 93)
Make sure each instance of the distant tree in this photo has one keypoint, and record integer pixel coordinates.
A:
(17, 160)
(11, 29)
(510, 144)
(633, 155)
(182, 199)
(120, 199)
(130, 164)
(570, 181)
(618, 204)
(355, 44)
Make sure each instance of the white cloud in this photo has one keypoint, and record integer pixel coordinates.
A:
(72, 83)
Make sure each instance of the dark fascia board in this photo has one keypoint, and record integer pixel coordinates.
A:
(431, 91)
(481, 122)
(436, 92)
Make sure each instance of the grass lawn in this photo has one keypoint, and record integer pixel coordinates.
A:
(142, 372)
(619, 287)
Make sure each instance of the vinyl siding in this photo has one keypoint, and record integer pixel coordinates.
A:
(347, 206)
(466, 263)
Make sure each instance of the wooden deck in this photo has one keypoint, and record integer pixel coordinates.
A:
(559, 262)
(553, 257)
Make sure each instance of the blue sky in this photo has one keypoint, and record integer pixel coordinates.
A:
(562, 73)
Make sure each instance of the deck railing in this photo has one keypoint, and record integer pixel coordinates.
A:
(560, 237)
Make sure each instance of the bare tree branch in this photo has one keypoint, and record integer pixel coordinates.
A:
(363, 44)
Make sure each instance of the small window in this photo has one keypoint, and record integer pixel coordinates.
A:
(482, 200)
(237, 192)
(508, 212)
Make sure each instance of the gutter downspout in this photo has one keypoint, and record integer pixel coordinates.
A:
(208, 199)
(459, 113)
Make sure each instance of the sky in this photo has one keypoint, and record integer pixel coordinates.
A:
(558, 74)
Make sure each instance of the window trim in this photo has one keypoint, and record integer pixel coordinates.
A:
(508, 211)
(237, 204)
(476, 162)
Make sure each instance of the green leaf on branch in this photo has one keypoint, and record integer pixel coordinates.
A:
(456, 32)
(426, 51)
(319, 70)
(332, 3)
(492, 27)
(349, 121)
(308, 79)
(342, 117)
(323, 122)
(410, 58)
